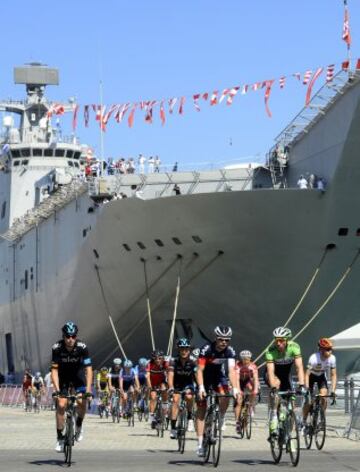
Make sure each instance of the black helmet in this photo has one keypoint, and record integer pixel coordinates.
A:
(183, 342)
(70, 329)
(157, 353)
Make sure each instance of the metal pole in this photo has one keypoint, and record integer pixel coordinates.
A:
(346, 395)
(352, 400)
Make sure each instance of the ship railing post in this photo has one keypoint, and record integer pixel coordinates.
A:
(352, 396)
(346, 395)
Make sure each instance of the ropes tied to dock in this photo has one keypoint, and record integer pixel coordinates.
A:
(302, 298)
(172, 330)
(327, 300)
(108, 312)
(148, 305)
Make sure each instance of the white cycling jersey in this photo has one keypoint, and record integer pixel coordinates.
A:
(319, 366)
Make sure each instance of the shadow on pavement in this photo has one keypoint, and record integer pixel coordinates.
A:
(58, 462)
(253, 462)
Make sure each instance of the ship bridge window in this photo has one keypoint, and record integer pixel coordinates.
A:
(48, 152)
(358, 232)
(70, 163)
(77, 155)
(141, 245)
(15, 153)
(343, 231)
(69, 153)
(126, 246)
(59, 152)
(177, 241)
(25, 162)
(76, 164)
(3, 210)
(197, 239)
(37, 152)
(25, 152)
(16, 163)
(159, 242)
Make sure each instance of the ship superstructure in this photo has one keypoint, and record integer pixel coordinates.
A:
(238, 246)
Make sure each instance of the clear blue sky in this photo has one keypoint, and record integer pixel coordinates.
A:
(143, 49)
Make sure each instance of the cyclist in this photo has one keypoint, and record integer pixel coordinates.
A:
(37, 386)
(71, 368)
(102, 389)
(140, 370)
(248, 380)
(26, 388)
(320, 363)
(280, 358)
(114, 375)
(156, 379)
(181, 376)
(129, 382)
(211, 373)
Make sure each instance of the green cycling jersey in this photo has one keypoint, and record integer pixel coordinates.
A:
(287, 357)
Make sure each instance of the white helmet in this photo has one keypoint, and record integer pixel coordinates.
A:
(117, 361)
(223, 332)
(245, 354)
(282, 332)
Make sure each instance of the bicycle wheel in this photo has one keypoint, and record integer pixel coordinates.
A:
(320, 429)
(181, 430)
(68, 440)
(276, 444)
(216, 438)
(207, 438)
(308, 431)
(248, 425)
(293, 438)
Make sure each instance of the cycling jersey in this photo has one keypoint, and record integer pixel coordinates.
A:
(157, 373)
(184, 372)
(37, 383)
(114, 375)
(283, 362)
(102, 379)
(319, 366)
(246, 374)
(26, 384)
(71, 364)
(214, 363)
(141, 373)
(128, 377)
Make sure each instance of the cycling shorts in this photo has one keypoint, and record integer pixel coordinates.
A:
(320, 380)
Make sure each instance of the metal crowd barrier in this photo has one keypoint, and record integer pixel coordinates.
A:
(12, 396)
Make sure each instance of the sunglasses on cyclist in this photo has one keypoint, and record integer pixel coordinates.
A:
(223, 340)
(72, 336)
(280, 340)
(327, 349)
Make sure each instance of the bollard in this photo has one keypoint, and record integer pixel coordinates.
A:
(346, 395)
(352, 396)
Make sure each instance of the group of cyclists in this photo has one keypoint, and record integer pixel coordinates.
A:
(33, 387)
(193, 374)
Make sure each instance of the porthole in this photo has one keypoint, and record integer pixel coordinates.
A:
(177, 241)
(126, 246)
(197, 239)
(159, 242)
(141, 245)
(343, 231)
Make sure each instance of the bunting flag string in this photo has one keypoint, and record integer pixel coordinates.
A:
(118, 111)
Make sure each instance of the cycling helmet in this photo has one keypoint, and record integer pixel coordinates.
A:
(128, 363)
(37, 375)
(245, 354)
(143, 362)
(183, 342)
(282, 332)
(325, 343)
(223, 332)
(157, 353)
(104, 369)
(117, 361)
(70, 329)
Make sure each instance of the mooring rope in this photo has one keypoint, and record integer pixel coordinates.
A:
(177, 294)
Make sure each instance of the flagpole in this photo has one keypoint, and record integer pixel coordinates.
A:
(346, 34)
(101, 129)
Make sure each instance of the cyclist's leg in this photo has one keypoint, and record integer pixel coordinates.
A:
(174, 408)
(200, 421)
(273, 405)
(307, 402)
(189, 399)
(152, 402)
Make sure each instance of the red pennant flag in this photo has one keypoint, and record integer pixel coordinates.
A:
(196, 101)
(162, 113)
(282, 82)
(172, 103)
(297, 75)
(86, 115)
(345, 65)
(346, 36)
(311, 84)
(223, 95)
(231, 95)
(132, 116)
(307, 76)
(244, 89)
(330, 72)
(121, 110)
(213, 99)
(149, 106)
(358, 64)
(75, 114)
(205, 95)
(268, 84)
(181, 105)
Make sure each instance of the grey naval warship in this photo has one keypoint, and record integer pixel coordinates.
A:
(242, 246)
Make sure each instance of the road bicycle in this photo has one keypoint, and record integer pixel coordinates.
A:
(315, 426)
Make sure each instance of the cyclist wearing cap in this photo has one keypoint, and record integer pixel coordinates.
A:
(71, 367)
(248, 381)
(319, 365)
(181, 377)
(129, 382)
(280, 358)
(156, 380)
(211, 374)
